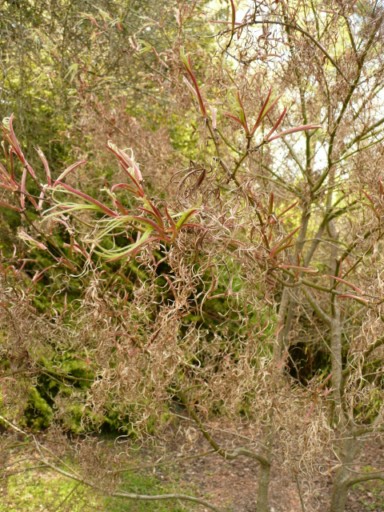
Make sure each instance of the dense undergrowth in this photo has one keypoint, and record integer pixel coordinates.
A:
(201, 236)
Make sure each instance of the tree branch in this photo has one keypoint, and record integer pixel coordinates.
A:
(129, 495)
(316, 307)
(113, 494)
(218, 449)
(296, 27)
(365, 478)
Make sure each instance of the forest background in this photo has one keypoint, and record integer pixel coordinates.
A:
(192, 206)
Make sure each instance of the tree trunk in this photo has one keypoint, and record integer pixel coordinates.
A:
(337, 415)
(339, 499)
(263, 488)
(341, 483)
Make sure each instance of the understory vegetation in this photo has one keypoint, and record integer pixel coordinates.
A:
(192, 205)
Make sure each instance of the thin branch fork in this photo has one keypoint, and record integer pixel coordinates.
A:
(228, 455)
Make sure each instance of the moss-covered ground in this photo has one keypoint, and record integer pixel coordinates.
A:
(39, 490)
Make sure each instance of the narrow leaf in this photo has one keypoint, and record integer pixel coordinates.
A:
(23, 185)
(57, 210)
(283, 243)
(287, 209)
(88, 198)
(347, 283)
(190, 86)
(45, 165)
(148, 222)
(278, 123)
(243, 117)
(114, 255)
(184, 217)
(68, 170)
(355, 297)
(7, 178)
(260, 115)
(302, 128)
(123, 186)
(129, 166)
(237, 120)
(188, 67)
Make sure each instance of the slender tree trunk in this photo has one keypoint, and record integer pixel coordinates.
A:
(264, 476)
(341, 483)
(337, 415)
(263, 488)
(283, 325)
(339, 494)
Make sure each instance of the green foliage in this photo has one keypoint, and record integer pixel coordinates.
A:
(36, 491)
(30, 491)
(62, 378)
(370, 405)
(143, 484)
(60, 395)
(38, 414)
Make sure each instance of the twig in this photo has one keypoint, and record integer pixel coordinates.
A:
(115, 494)
(237, 452)
(129, 495)
(300, 493)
